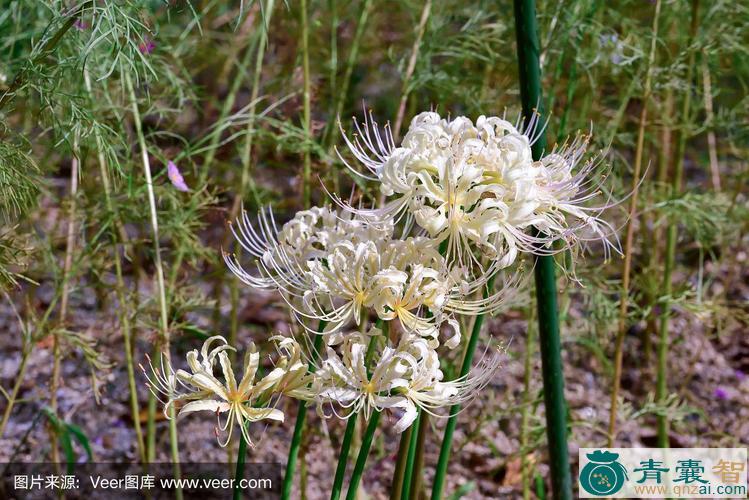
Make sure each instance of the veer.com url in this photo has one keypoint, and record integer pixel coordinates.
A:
(216, 484)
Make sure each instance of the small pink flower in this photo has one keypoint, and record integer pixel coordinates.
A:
(147, 46)
(176, 177)
(80, 25)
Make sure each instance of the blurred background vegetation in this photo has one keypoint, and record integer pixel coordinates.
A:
(96, 94)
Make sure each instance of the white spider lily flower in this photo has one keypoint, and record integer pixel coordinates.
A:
(248, 400)
(345, 380)
(330, 268)
(318, 261)
(425, 389)
(406, 377)
(397, 279)
(564, 190)
(340, 284)
(404, 295)
(297, 378)
(477, 187)
(281, 255)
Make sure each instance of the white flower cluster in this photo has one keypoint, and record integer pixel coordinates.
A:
(463, 201)
(332, 266)
(248, 400)
(406, 376)
(477, 187)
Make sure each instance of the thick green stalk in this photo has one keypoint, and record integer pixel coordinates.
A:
(410, 458)
(340, 469)
(361, 460)
(654, 256)
(301, 416)
(400, 464)
(161, 289)
(546, 294)
(418, 476)
(151, 426)
(444, 458)
(671, 236)
(630, 234)
(412, 489)
(239, 473)
(242, 456)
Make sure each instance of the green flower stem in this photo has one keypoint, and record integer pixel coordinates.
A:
(400, 464)
(418, 467)
(161, 289)
(151, 424)
(239, 473)
(408, 474)
(296, 443)
(417, 440)
(348, 435)
(546, 294)
(361, 460)
(301, 416)
(444, 458)
(242, 455)
(553, 377)
(661, 391)
(340, 469)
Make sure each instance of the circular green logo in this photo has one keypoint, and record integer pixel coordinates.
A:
(603, 475)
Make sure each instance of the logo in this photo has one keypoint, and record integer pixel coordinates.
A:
(603, 475)
(663, 472)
